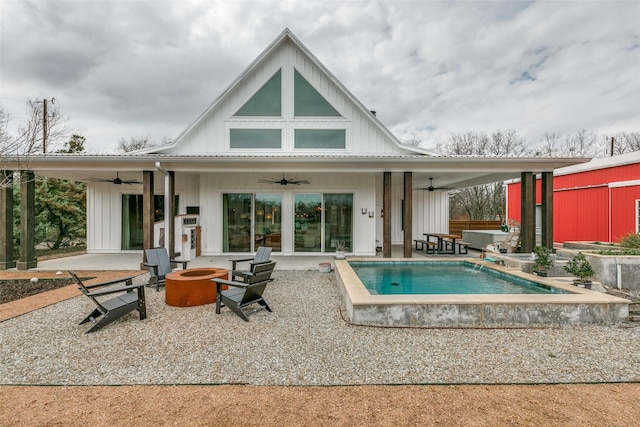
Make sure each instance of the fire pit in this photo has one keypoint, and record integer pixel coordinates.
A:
(188, 288)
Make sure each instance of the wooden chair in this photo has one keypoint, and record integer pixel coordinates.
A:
(160, 265)
(116, 307)
(263, 255)
(243, 294)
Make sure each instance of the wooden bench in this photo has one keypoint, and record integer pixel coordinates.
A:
(428, 246)
(463, 246)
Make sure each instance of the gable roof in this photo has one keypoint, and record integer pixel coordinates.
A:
(285, 37)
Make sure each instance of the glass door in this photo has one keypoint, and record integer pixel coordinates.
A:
(338, 221)
(308, 223)
(267, 221)
(132, 235)
(236, 226)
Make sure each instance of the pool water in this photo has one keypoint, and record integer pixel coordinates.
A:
(434, 278)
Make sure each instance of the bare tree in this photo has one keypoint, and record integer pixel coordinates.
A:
(414, 141)
(5, 144)
(583, 143)
(30, 135)
(134, 143)
(623, 142)
(484, 201)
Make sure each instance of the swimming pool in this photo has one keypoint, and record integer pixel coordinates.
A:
(439, 278)
(572, 306)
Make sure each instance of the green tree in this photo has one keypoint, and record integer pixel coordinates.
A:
(61, 205)
(61, 212)
(74, 145)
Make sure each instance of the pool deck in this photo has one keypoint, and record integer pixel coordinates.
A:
(580, 306)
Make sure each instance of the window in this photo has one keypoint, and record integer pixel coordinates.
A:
(320, 138)
(267, 101)
(256, 138)
(307, 100)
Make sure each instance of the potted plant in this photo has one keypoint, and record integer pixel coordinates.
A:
(542, 260)
(580, 267)
(341, 248)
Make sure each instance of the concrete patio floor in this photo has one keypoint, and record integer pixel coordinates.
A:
(132, 260)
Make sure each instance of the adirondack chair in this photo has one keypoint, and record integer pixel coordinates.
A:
(263, 255)
(160, 265)
(116, 307)
(242, 294)
(509, 244)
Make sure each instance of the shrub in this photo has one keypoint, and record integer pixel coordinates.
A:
(619, 252)
(580, 267)
(631, 240)
(542, 260)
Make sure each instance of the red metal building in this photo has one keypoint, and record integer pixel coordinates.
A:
(594, 201)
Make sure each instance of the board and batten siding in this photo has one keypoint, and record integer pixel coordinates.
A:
(213, 186)
(104, 206)
(211, 133)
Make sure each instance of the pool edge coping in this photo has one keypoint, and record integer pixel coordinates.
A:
(359, 295)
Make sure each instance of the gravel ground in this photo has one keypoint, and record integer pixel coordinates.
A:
(305, 341)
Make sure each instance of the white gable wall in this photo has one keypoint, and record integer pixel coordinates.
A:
(210, 134)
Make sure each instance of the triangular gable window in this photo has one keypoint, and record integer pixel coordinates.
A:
(307, 100)
(267, 101)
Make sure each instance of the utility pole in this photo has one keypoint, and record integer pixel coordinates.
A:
(45, 128)
(612, 141)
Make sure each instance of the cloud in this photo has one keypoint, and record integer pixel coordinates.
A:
(138, 67)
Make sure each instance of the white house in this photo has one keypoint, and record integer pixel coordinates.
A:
(285, 157)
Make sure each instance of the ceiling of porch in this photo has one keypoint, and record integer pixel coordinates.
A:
(447, 173)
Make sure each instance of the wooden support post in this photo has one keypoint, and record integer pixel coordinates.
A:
(6, 220)
(408, 215)
(547, 209)
(148, 211)
(170, 217)
(27, 257)
(528, 212)
(386, 211)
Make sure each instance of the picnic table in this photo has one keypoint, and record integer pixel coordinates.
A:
(443, 241)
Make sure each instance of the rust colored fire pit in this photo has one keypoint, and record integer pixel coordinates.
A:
(188, 288)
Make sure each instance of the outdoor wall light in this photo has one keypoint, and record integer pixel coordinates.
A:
(371, 214)
(364, 211)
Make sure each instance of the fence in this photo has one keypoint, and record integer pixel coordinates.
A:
(456, 227)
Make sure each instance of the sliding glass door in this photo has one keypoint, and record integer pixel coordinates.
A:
(321, 220)
(255, 219)
(267, 219)
(251, 220)
(338, 221)
(308, 222)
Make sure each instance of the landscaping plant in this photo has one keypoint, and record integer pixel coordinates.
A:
(580, 267)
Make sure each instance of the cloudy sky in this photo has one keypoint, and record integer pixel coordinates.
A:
(121, 69)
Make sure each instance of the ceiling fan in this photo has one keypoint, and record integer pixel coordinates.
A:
(432, 188)
(284, 181)
(117, 180)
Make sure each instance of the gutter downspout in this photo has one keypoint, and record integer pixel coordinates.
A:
(168, 226)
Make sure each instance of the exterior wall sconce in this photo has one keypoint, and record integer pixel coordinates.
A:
(371, 214)
(364, 211)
